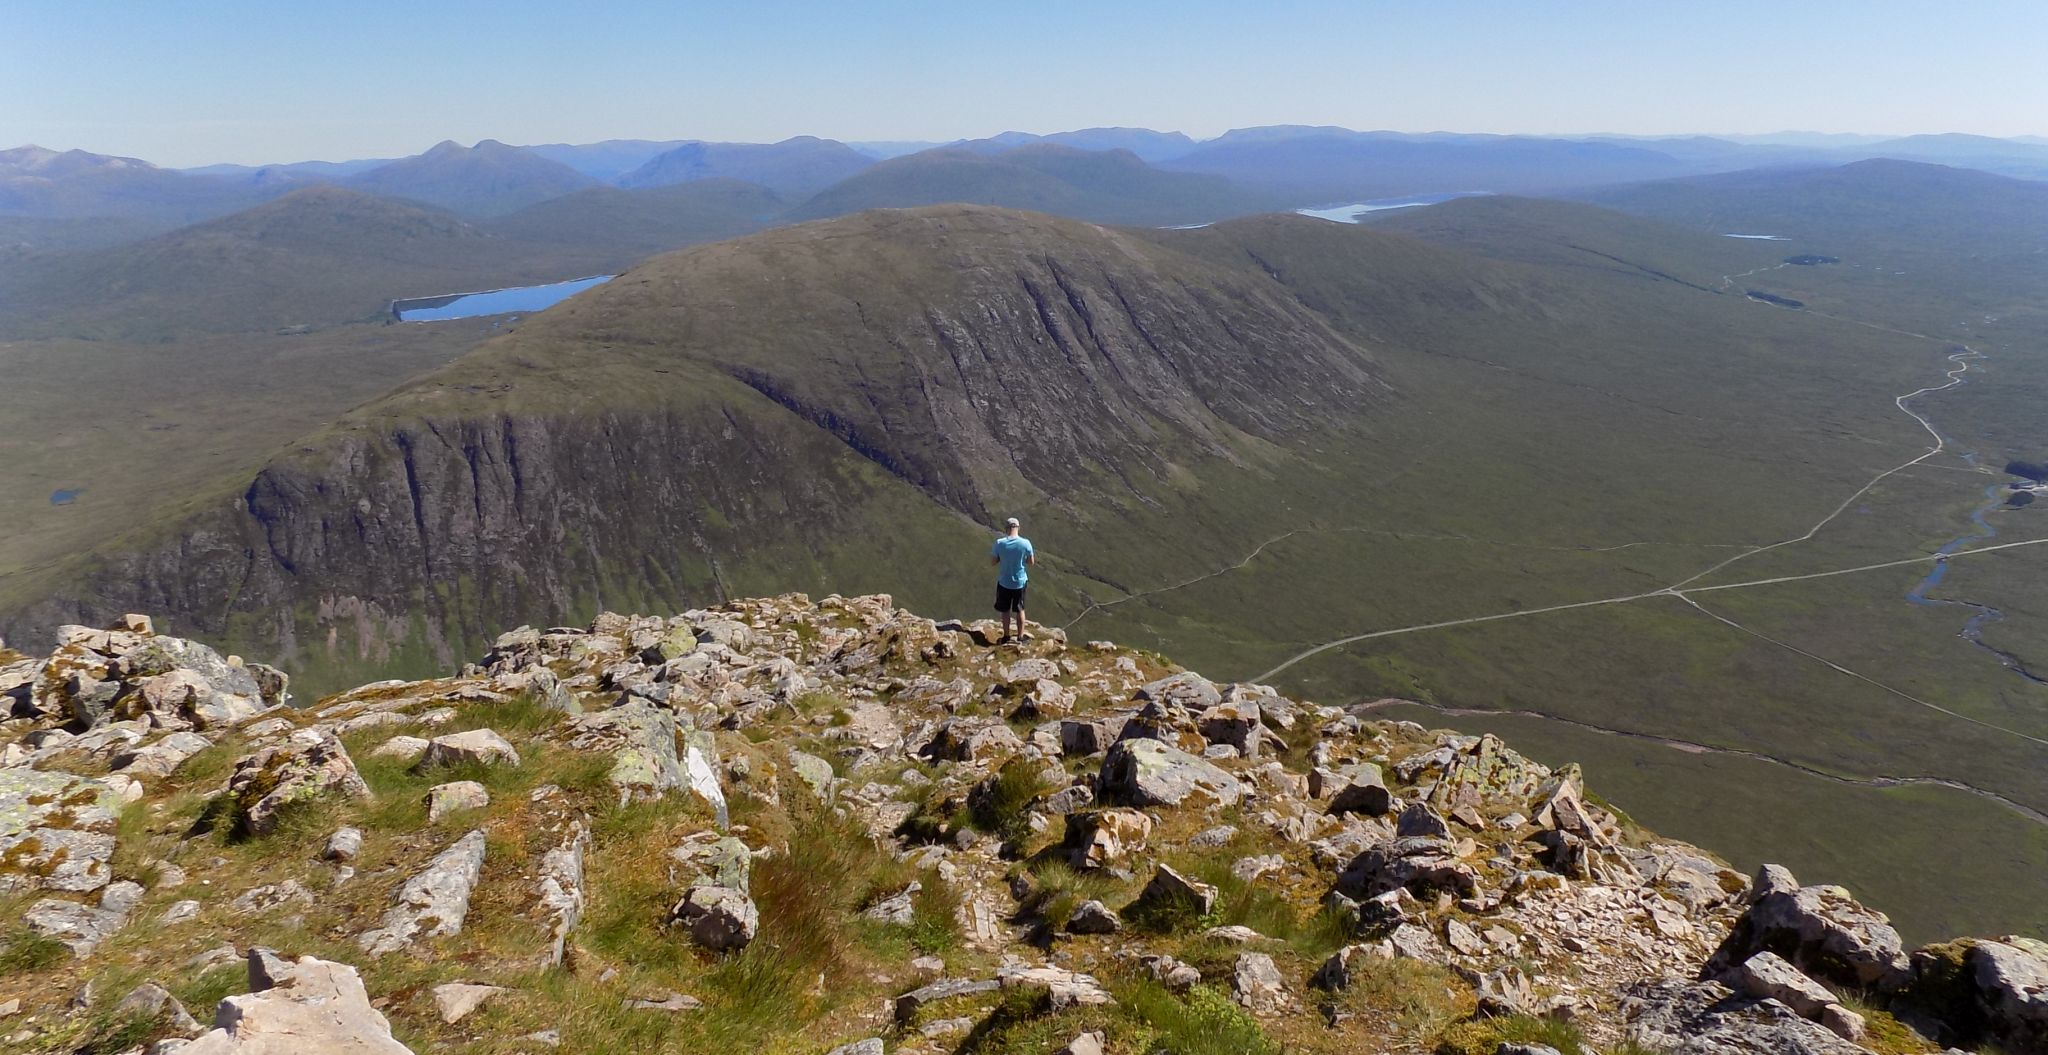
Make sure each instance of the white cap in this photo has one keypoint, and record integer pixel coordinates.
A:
(1012, 522)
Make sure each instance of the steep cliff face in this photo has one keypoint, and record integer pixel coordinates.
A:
(817, 408)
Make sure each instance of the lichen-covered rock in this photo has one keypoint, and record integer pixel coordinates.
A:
(1144, 772)
(434, 902)
(560, 890)
(642, 741)
(309, 764)
(56, 831)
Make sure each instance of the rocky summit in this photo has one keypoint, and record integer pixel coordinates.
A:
(836, 826)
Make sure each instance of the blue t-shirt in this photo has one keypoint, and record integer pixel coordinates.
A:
(1012, 553)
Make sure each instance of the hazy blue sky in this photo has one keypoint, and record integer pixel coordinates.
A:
(188, 83)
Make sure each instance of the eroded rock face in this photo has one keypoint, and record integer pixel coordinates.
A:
(318, 1008)
(309, 764)
(434, 902)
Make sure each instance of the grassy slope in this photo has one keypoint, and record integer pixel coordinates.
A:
(211, 412)
(321, 256)
(636, 223)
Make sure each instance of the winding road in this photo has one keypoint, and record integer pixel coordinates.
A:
(1962, 359)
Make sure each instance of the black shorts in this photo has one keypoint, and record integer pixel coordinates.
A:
(1009, 600)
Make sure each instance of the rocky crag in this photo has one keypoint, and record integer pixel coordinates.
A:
(836, 826)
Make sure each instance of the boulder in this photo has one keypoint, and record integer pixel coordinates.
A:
(1419, 820)
(81, 928)
(907, 1005)
(162, 758)
(1235, 724)
(1170, 972)
(455, 796)
(560, 890)
(1145, 772)
(1091, 1043)
(479, 746)
(1676, 1017)
(1822, 930)
(1256, 985)
(152, 1001)
(317, 1008)
(1363, 790)
(642, 740)
(406, 749)
(1096, 838)
(971, 740)
(343, 845)
(309, 764)
(1170, 890)
(1412, 941)
(718, 918)
(1417, 863)
(1093, 917)
(56, 831)
(432, 903)
(1064, 989)
(454, 1001)
(1188, 690)
(1767, 976)
(1080, 738)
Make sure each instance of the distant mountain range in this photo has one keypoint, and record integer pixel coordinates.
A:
(1269, 166)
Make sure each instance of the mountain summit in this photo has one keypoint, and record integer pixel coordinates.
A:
(661, 832)
(485, 180)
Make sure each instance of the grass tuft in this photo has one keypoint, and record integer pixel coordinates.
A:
(26, 951)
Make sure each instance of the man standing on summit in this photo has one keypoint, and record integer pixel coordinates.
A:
(1013, 557)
